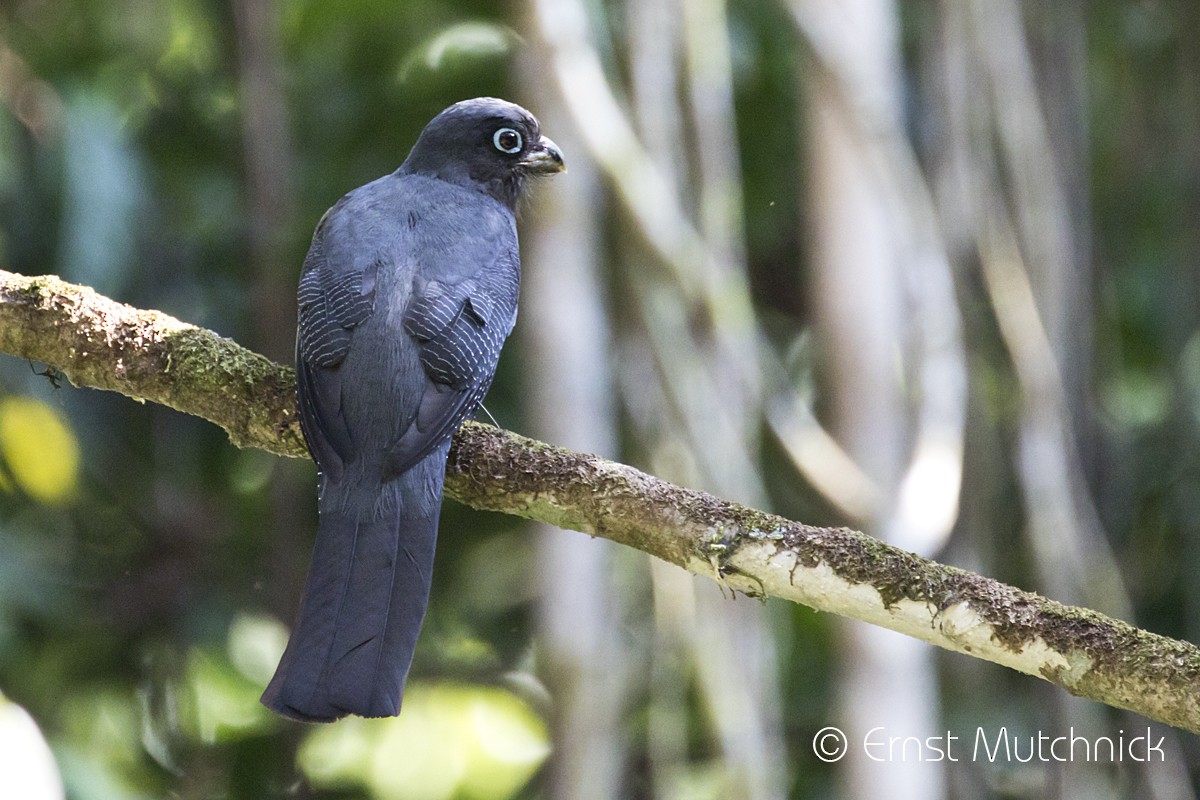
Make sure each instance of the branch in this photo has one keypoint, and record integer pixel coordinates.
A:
(148, 355)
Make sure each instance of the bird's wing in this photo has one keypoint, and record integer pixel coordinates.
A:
(331, 305)
(459, 329)
(427, 341)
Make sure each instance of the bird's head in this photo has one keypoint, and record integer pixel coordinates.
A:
(486, 144)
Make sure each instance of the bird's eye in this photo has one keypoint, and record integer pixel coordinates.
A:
(508, 141)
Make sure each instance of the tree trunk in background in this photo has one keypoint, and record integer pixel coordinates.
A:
(1011, 165)
(726, 648)
(270, 206)
(689, 368)
(271, 210)
(564, 330)
(270, 216)
(1058, 33)
(865, 333)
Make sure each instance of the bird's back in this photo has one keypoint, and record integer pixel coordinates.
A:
(404, 233)
(407, 294)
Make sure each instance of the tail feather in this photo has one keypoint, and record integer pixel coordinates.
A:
(364, 601)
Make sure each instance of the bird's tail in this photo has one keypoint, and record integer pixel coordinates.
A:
(363, 604)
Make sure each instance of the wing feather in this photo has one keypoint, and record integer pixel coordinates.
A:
(459, 334)
(331, 306)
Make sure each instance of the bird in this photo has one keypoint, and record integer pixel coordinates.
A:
(407, 293)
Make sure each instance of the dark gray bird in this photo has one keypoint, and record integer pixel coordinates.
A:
(406, 296)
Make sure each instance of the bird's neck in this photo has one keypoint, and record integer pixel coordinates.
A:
(505, 189)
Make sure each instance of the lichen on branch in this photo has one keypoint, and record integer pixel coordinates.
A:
(147, 355)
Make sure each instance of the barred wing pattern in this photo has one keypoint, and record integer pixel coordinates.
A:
(460, 329)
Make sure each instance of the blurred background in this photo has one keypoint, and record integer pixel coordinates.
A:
(927, 269)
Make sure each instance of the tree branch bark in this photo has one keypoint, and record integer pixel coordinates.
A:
(148, 355)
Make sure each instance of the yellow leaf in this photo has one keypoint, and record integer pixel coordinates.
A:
(39, 448)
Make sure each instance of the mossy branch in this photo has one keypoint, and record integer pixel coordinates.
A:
(148, 355)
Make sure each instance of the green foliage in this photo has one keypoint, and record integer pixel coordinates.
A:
(146, 563)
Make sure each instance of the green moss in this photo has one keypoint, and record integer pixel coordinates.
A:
(32, 292)
(1016, 617)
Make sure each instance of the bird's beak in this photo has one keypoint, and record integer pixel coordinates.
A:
(544, 158)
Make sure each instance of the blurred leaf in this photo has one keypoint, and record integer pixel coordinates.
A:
(255, 646)
(451, 741)
(102, 749)
(465, 41)
(222, 703)
(89, 778)
(191, 45)
(39, 448)
(338, 755)
(1136, 399)
(252, 470)
(509, 743)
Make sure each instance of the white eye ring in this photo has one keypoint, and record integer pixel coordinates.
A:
(502, 133)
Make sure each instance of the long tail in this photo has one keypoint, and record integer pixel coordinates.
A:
(362, 609)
